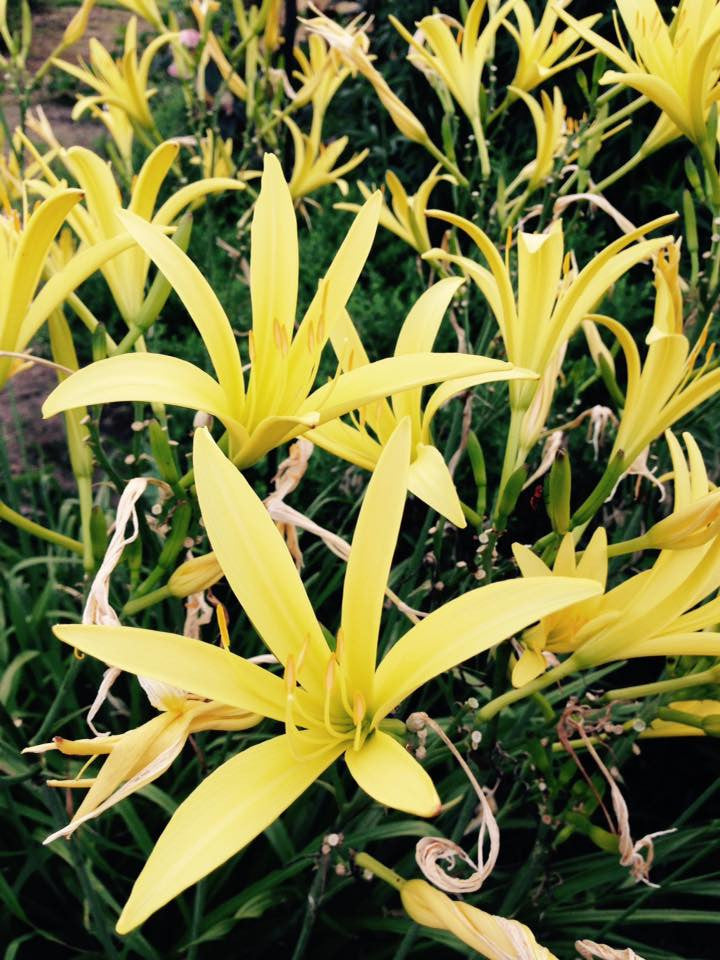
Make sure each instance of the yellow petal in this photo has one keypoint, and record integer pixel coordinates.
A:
(150, 377)
(393, 375)
(417, 335)
(29, 258)
(191, 192)
(62, 283)
(468, 625)
(150, 179)
(371, 554)
(200, 302)
(273, 272)
(329, 302)
(452, 388)
(257, 563)
(530, 665)
(386, 771)
(348, 443)
(205, 670)
(430, 480)
(228, 810)
(530, 564)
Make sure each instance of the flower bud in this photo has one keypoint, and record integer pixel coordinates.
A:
(494, 937)
(195, 575)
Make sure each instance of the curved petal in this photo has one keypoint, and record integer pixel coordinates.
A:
(417, 335)
(347, 442)
(199, 300)
(191, 192)
(332, 295)
(371, 554)
(189, 664)
(395, 374)
(273, 275)
(386, 771)
(29, 258)
(530, 665)
(430, 480)
(452, 388)
(468, 625)
(62, 283)
(228, 810)
(257, 563)
(146, 377)
(150, 179)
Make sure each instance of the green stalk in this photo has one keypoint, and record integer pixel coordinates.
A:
(660, 687)
(37, 530)
(365, 862)
(497, 704)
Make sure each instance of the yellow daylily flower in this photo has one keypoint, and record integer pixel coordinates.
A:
(122, 84)
(139, 756)
(362, 442)
(147, 9)
(666, 386)
(551, 302)
(24, 252)
(556, 633)
(278, 404)
(352, 45)
(458, 60)
(675, 66)
(695, 517)
(314, 165)
(212, 50)
(657, 612)
(495, 938)
(332, 702)
(700, 709)
(97, 219)
(407, 216)
(541, 49)
(550, 136)
(320, 75)
(215, 158)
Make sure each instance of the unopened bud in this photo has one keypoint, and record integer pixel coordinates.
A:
(195, 575)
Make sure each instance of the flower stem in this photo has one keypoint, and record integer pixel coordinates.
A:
(365, 862)
(37, 530)
(664, 686)
(540, 683)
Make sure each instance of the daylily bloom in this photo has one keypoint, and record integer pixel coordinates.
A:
(695, 517)
(654, 613)
(24, 251)
(495, 938)
(666, 386)
(122, 84)
(215, 158)
(278, 404)
(541, 49)
(362, 442)
(551, 302)
(97, 219)
(314, 165)
(332, 702)
(320, 75)
(407, 217)
(698, 709)
(676, 66)
(550, 136)
(458, 60)
(139, 756)
(352, 45)
(212, 50)
(556, 633)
